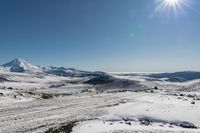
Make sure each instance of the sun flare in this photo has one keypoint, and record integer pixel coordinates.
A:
(173, 3)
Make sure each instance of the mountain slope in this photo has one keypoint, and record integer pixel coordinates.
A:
(69, 72)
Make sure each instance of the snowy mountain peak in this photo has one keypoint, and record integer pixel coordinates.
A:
(20, 65)
(14, 62)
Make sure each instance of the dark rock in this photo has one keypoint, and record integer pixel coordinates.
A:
(9, 88)
(186, 124)
(3, 79)
(156, 88)
(128, 123)
(46, 96)
(191, 96)
(62, 129)
(161, 125)
(145, 121)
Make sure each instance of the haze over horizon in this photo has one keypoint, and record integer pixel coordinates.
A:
(102, 35)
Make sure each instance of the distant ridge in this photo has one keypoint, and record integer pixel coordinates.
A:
(22, 66)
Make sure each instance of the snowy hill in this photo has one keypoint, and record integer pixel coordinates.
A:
(177, 76)
(62, 71)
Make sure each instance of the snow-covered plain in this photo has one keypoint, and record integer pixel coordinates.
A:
(39, 103)
(105, 103)
(145, 112)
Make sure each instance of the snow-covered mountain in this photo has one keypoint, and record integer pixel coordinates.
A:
(20, 65)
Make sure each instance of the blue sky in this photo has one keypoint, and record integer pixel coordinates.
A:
(106, 35)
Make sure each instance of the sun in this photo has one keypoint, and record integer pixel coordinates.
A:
(173, 3)
(171, 7)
